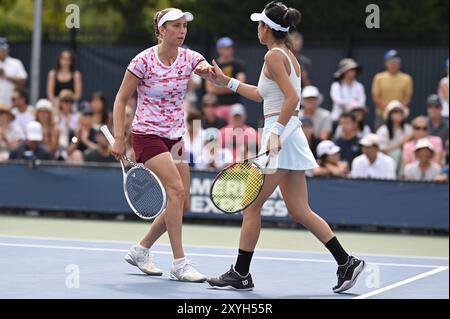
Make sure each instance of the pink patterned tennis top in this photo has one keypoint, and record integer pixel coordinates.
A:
(161, 92)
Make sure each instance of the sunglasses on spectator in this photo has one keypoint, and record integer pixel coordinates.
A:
(67, 100)
(421, 128)
(436, 106)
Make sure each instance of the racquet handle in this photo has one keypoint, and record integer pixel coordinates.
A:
(108, 134)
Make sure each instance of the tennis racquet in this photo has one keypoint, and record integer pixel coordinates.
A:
(143, 190)
(238, 185)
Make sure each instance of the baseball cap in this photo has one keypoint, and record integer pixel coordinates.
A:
(4, 43)
(370, 140)
(238, 109)
(327, 148)
(34, 131)
(395, 105)
(44, 104)
(424, 143)
(391, 54)
(434, 99)
(224, 42)
(175, 14)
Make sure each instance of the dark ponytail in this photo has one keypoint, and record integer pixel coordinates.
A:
(284, 16)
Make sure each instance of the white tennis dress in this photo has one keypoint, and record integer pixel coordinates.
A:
(295, 153)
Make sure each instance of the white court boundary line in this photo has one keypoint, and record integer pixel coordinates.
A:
(219, 247)
(401, 283)
(205, 255)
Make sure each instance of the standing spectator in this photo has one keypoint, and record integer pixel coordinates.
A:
(329, 160)
(359, 111)
(232, 67)
(210, 119)
(64, 77)
(12, 73)
(424, 169)
(437, 125)
(10, 133)
(391, 85)
(102, 153)
(44, 115)
(349, 140)
(346, 90)
(193, 140)
(308, 129)
(21, 110)
(443, 93)
(372, 163)
(83, 138)
(214, 156)
(311, 101)
(395, 133)
(235, 135)
(99, 105)
(420, 130)
(296, 42)
(33, 146)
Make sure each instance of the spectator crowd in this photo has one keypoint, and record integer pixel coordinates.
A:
(63, 127)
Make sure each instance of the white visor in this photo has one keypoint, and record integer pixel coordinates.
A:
(175, 14)
(262, 17)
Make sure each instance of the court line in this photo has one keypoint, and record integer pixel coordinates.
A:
(401, 283)
(207, 255)
(219, 247)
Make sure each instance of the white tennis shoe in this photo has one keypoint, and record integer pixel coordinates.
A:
(142, 259)
(186, 272)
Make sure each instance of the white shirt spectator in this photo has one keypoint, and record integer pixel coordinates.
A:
(13, 133)
(444, 102)
(23, 118)
(321, 121)
(414, 173)
(382, 168)
(12, 68)
(344, 94)
(386, 142)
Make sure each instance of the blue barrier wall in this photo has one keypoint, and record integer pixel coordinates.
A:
(343, 202)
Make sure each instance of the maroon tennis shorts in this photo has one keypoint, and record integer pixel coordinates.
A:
(148, 146)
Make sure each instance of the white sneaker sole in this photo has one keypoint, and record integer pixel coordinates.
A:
(230, 288)
(175, 278)
(350, 283)
(129, 259)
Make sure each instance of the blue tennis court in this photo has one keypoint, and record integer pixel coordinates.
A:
(36, 267)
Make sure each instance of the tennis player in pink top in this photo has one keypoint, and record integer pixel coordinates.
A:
(160, 75)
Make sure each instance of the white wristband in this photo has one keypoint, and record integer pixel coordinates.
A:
(277, 129)
(233, 84)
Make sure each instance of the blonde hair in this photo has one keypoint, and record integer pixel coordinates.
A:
(157, 17)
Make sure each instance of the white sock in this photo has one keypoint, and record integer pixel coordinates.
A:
(140, 247)
(179, 261)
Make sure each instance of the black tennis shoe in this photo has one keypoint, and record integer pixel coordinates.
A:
(232, 279)
(348, 273)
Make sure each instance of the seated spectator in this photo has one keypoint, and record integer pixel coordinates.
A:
(420, 130)
(210, 119)
(395, 132)
(20, 108)
(443, 92)
(64, 77)
(83, 138)
(359, 111)
(349, 142)
(12, 73)
(33, 146)
(235, 135)
(437, 125)
(67, 122)
(44, 115)
(329, 160)
(11, 134)
(346, 90)
(308, 129)
(423, 169)
(372, 163)
(311, 100)
(214, 157)
(99, 105)
(193, 140)
(102, 153)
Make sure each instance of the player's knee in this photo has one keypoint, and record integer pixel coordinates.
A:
(176, 193)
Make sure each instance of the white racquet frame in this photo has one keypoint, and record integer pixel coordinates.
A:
(111, 141)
